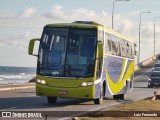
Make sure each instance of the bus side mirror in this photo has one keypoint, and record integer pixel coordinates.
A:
(31, 46)
(135, 49)
(100, 50)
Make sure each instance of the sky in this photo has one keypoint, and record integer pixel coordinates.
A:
(22, 20)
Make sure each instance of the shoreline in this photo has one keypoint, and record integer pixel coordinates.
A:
(18, 86)
(5, 87)
(32, 80)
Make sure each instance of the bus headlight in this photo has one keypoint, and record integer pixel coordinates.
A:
(87, 84)
(41, 81)
(38, 81)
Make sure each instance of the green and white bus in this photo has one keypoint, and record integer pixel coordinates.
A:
(83, 59)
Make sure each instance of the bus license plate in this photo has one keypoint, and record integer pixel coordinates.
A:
(63, 92)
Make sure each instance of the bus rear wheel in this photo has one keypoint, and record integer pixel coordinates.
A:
(51, 100)
(119, 97)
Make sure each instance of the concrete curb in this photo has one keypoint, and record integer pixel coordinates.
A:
(156, 95)
(16, 86)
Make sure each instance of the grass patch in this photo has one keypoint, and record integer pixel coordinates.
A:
(141, 105)
(147, 105)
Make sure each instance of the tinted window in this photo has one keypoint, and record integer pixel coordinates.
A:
(157, 65)
(117, 46)
(155, 74)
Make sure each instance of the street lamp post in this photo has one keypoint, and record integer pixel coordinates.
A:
(138, 59)
(155, 35)
(113, 9)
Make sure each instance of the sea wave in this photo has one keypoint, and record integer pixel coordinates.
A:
(16, 75)
(21, 76)
(22, 73)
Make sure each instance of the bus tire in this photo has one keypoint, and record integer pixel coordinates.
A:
(150, 86)
(51, 100)
(99, 100)
(115, 97)
(122, 96)
(119, 97)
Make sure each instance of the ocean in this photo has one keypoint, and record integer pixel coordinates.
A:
(16, 75)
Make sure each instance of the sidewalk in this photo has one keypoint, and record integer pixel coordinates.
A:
(5, 87)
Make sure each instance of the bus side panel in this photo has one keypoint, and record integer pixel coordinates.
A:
(118, 73)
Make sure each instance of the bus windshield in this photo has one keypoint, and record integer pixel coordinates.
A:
(67, 52)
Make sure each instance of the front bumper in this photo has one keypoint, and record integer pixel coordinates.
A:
(79, 92)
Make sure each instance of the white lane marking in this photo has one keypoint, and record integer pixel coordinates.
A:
(32, 95)
(105, 107)
(65, 118)
(142, 74)
(9, 108)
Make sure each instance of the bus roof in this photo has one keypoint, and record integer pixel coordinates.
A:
(76, 24)
(90, 24)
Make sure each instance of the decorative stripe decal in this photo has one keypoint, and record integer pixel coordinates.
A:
(123, 70)
(117, 87)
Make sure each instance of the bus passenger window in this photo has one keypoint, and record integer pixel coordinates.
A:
(123, 48)
(127, 50)
(113, 47)
(108, 44)
(118, 48)
(132, 50)
(116, 45)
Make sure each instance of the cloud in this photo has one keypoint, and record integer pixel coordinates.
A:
(134, 13)
(19, 40)
(26, 19)
(27, 13)
(147, 30)
(82, 13)
(7, 42)
(56, 13)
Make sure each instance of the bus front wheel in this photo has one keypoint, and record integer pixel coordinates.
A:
(99, 100)
(51, 100)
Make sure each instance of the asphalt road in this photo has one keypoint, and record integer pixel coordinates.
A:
(26, 100)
